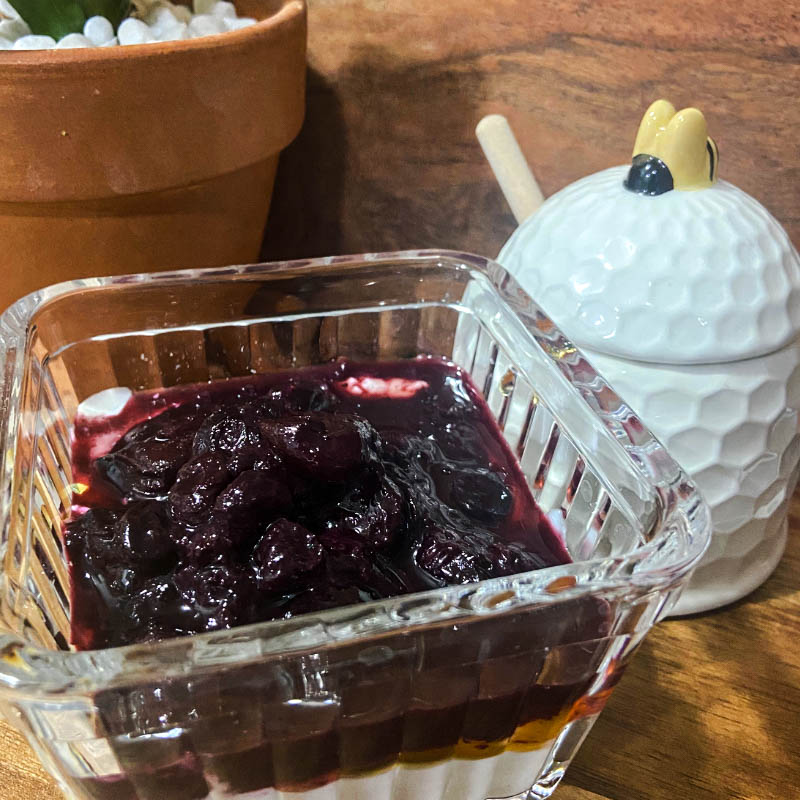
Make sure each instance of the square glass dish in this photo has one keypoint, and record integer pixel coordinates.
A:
(484, 690)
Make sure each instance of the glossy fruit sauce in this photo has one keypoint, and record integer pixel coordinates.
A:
(207, 507)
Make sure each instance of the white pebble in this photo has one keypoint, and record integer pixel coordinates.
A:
(240, 22)
(35, 43)
(165, 26)
(160, 17)
(164, 22)
(205, 25)
(173, 34)
(14, 28)
(98, 30)
(134, 31)
(73, 40)
(224, 9)
(203, 6)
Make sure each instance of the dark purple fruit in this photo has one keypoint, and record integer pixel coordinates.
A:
(228, 430)
(143, 536)
(508, 558)
(158, 603)
(283, 495)
(460, 441)
(452, 400)
(299, 396)
(348, 559)
(144, 469)
(285, 556)
(261, 457)
(92, 533)
(145, 461)
(254, 496)
(174, 423)
(453, 556)
(196, 488)
(309, 395)
(218, 596)
(476, 491)
(326, 447)
(215, 541)
(137, 540)
(376, 517)
(443, 555)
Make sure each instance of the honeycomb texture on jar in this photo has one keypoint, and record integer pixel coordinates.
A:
(681, 278)
(734, 428)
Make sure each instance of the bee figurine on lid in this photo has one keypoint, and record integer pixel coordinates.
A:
(684, 292)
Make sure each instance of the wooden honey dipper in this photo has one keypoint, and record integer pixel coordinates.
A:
(502, 151)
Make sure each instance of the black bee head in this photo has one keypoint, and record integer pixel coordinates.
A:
(649, 175)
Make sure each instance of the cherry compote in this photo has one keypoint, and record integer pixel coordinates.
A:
(203, 508)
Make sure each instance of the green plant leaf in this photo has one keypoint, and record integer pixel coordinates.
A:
(57, 18)
(113, 10)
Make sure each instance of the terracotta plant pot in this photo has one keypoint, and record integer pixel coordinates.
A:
(147, 157)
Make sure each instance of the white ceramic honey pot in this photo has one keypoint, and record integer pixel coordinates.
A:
(684, 292)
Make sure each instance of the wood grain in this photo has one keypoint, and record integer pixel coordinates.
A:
(388, 160)
(710, 705)
(707, 709)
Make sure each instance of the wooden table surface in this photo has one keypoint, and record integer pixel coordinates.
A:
(708, 708)
(387, 160)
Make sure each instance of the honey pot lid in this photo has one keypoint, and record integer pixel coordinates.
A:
(660, 261)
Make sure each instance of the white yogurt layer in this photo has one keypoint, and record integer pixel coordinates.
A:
(505, 775)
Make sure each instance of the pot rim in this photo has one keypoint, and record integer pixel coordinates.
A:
(80, 57)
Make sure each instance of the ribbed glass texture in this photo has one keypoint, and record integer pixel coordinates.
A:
(470, 692)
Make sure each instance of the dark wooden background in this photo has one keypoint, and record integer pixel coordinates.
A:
(387, 160)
